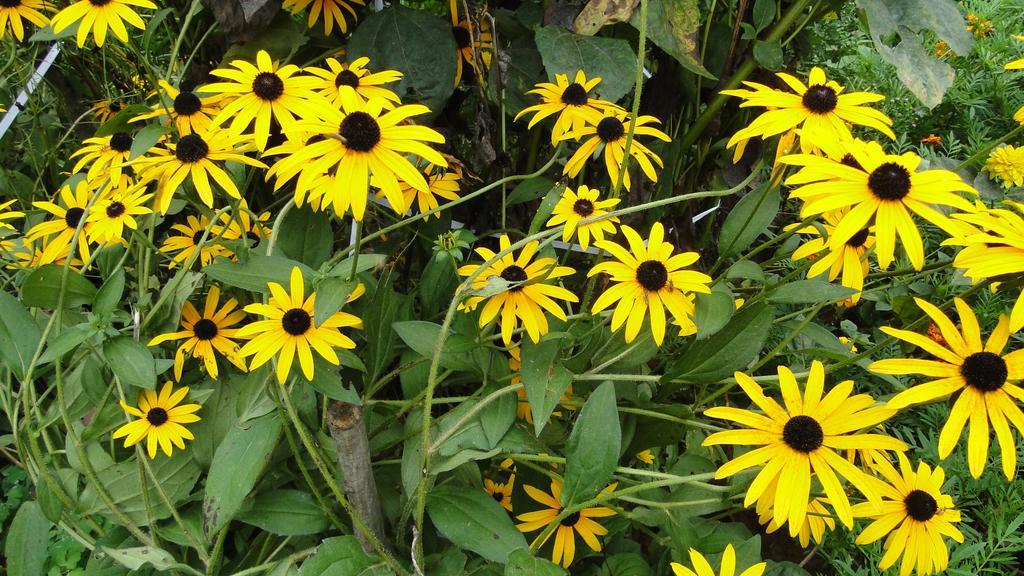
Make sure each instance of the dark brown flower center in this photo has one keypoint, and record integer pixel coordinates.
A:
(113, 106)
(858, 239)
(346, 78)
(920, 505)
(583, 207)
(191, 149)
(205, 329)
(157, 416)
(267, 86)
(10, 3)
(73, 216)
(890, 181)
(849, 160)
(99, 2)
(360, 131)
(803, 434)
(254, 237)
(115, 209)
(462, 37)
(296, 321)
(574, 95)
(498, 496)
(197, 236)
(570, 520)
(514, 274)
(610, 129)
(121, 141)
(652, 275)
(984, 371)
(820, 99)
(187, 104)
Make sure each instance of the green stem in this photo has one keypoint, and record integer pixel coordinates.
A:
(988, 148)
(355, 250)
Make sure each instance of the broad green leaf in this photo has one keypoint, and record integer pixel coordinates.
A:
(331, 294)
(522, 563)
(135, 558)
(747, 270)
(306, 236)
(545, 378)
(768, 54)
(473, 521)
(592, 450)
(366, 262)
(809, 292)
(177, 476)
(547, 206)
(498, 417)
(764, 14)
(713, 311)
(748, 220)
(119, 122)
(131, 361)
(237, 465)
(530, 189)
(26, 546)
(598, 13)
(674, 25)
(109, 295)
(338, 555)
(19, 335)
(629, 564)
(611, 59)
(42, 288)
(145, 139)
(423, 337)
(789, 569)
(384, 308)
(437, 284)
(49, 502)
(222, 409)
(731, 349)
(418, 44)
(286, 513)
(328, 382)
(254, 273)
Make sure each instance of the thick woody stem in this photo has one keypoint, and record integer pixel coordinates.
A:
(353, 447)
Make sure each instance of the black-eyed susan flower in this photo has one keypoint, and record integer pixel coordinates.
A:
(914, 518)
(160, 420)
(1006, 164)
(104, 155)
(441, 183)
(579, 205)
(190, 112)
(581, 523)
(195, 157)
(1016, 64)
(799, 440)
(884, 189)
(819, 107)
(645, 456)
(818, 521)
(28, 255)
(110, 215)
(647, 280)
(56, 234)
(571, 101)
(701, 567)
(206, 335)
(184, 242)
(984, 376)
(243, 224)
(849, 262)
(6, 215)
(257, 94)
(103, 110)
(332, 11)
(289, 330)
(99, 16)
(353, 77)
(474, 44)
(527, 295)
(502, 493)
(610, 133)
(361, 142)
(13, 12)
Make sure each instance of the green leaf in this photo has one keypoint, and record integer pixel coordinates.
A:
(611, 59)
(177, 476)
(306, 236)
(109, 295)
(237, 465)
(764, 14)
(547, 206)
(418, 44)
(42, 288)
(131, 361)
(592, 450)
(146, 138)
(19, 335)
(338, 555)
(254, 273)
(545, 378)
(713, 311)
(327, 381)
(49, 502)
(731, 349)
(136, 558)
(26, 548)
(522, 563)
(748, 220)
(331, 295)
(385, 307)
(473, 521)
(423, 337)
(530, 189)
(768, 54)
(674, 25)
(598, 13)
(286, 513)
(366, 262)
(745, 269)
(809, 292)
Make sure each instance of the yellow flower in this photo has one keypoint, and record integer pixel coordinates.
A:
(1007, 164)
(575, 206)
(190, 112)
(581, 522)
(985, 377)
(57, 233)
(6, 214)
(111, 214)
(471, 43)
(160, 419)
(610, 133)
(818, 107)
(914, 516)
(14, 11)
(645, 456)
(187, 239)
(800, 440)
(353, 78)
(105, 155)
(440, 183)
(648, 279)
(571, 101)
(1016, 64)
(242, 224)
(526, 295)
(701, 567)
(849, 260)
(207, 334)
(98, 16)
(502, 493)
(818, 520)
(289, 330)
(331, 10)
